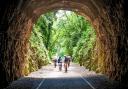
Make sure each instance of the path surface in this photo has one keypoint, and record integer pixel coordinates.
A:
(49, 77)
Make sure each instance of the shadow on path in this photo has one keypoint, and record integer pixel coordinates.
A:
(76, 78)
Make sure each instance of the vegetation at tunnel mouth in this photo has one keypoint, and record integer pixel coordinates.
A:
(60, 33)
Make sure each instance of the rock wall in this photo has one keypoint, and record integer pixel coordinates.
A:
(15, 28)
(116, 44)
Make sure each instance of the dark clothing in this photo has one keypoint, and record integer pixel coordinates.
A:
(60, 63)
(66, 60)
(59, 60)
(55, 61)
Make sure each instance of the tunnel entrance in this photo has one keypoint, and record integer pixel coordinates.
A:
(109, 18)
(62, 33)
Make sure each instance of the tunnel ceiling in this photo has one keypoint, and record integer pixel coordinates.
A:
(90, 8)
(109, 18)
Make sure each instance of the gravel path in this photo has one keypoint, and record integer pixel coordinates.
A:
(77, 77)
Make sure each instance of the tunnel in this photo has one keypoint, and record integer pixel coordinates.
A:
(108, 17)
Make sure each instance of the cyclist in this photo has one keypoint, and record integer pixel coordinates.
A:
(60, 63)
(66, 63)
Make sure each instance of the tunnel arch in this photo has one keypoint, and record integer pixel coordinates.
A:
(106, 16)
(67, 5)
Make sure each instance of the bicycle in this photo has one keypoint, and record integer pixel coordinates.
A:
(66, 67)
(60, 66)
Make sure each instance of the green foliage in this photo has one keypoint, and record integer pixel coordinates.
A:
(75, 37)
(44, 24)
(83, 50)
(62, 33)
(38, 52)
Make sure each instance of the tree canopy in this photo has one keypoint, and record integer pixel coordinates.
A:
(63, 33)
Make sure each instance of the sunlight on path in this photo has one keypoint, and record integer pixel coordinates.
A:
(51, 72)
(49, 77)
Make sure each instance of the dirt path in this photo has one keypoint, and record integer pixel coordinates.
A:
(49, 77)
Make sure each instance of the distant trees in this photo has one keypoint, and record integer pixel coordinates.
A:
(63, 32)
